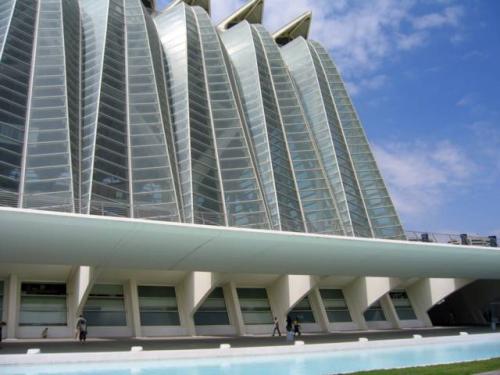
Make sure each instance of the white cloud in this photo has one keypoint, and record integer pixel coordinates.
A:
(411, 41)
(450, 16)
(423, 176)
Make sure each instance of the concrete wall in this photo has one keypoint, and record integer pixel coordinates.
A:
(192, 289)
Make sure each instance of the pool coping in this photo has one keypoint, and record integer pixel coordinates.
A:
(210, 354)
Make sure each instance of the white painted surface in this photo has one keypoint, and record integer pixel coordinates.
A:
(13, 300)
(188, 247)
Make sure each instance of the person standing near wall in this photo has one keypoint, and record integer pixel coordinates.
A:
(81, 329)
(276, 326)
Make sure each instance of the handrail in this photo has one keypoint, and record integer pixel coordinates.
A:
(61, 202)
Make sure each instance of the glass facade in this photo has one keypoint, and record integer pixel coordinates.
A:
(158, 306)
(107, 108)
(375, 313)
(213, 311)
(335, 305)
(402, 304)
(105, 306)
(43, 304)
(255, 306)
(302, 312)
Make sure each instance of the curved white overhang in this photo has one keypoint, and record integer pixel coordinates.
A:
(205, 4)
(299, 27)
(38, 237)
(251, 12)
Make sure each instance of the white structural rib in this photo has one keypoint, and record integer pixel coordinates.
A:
(298, 27)
(251, 12)
(205, 4)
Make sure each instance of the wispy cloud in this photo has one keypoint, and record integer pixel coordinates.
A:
(423, 176)
(450, 16)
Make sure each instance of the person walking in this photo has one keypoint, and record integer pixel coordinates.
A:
(289, 328)
(276, 326)
(296, 327)
(81, 329)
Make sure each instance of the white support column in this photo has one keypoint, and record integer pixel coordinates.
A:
(134, 309)
(363, 292)
(234, 308)
(390, 310)
(79, 283)
(319, 310)
(425, 293)
(287, 291)
(191, 293)
(13, 300)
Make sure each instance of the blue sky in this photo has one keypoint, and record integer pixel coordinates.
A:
(425, 78)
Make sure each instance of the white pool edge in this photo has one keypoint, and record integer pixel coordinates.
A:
(200, 354)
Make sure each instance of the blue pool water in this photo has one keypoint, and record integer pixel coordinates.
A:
(298, 364)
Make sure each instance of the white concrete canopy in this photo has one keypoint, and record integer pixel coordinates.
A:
(72, 239)
(299, 27)
(251, 12)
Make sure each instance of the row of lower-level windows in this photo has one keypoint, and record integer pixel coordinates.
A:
(45, 304)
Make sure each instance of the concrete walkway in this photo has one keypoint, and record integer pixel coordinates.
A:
(177, 343)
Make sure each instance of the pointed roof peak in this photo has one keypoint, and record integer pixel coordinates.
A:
(205, 4)
(299, 27)
(251, 12)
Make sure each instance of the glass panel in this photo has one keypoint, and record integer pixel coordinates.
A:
(105, 306)
(255, 306)
(358, 146)
(302, 312)
(375, 313)
(149, 121)
(402, 305)
(335, 305)
(261, 112)
(158, 306)
(43, 304)
(233, 150)
(213, 311)
(313, 186)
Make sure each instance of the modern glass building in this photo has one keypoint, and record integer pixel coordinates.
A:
(110, 108)
(166, 176)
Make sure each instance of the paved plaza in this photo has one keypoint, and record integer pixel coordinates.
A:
(177, 343)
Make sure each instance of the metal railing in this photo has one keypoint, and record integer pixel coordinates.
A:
(163, 212)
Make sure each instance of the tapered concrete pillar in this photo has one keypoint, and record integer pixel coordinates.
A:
(13, 300)
(79, 283)
(363, 292)
(390, 310)
(287, 291)
(234, 308)
(319, 310)
(191, 293)
(425, 293)
(133, 307)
